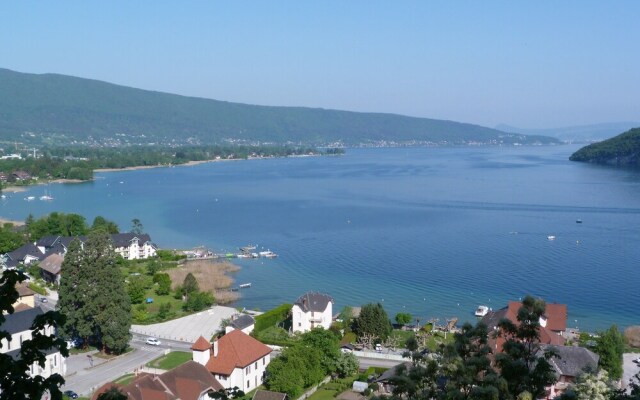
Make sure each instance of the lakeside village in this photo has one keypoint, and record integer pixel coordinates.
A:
(194, 346)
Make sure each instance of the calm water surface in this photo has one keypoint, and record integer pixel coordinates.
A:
(433, 232)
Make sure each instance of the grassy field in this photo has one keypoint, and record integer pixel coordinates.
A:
(170, 360)
(125, 379)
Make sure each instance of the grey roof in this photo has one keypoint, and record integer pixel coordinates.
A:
(48, 241)
(19, 254)
(393, 371)
(15, 354)
(20, 321)
(268, 395)
(244, 321)
(493, 317)
(313, 301)
(573, 360)
(125, 239)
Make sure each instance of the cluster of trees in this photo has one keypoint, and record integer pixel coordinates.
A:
(308, 361)
(467, 368)
(80, 162)
(56, 223)
(623, 149)
(93, 295)
(47, 168)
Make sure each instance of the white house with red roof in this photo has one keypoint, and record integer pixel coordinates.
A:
(236, 359)
(312, 310)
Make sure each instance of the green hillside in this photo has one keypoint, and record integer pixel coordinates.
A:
(77, 109)
(623, 149)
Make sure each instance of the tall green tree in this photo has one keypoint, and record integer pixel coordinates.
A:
(10, 239)
(111, 302)
(523, 364)
(136, 226)
(610, 348)
(403, 318)
(15, 382)
(468, 367)
(327, 342)
(76, 295)
(190, 284)
(102, 223)
(373, 320)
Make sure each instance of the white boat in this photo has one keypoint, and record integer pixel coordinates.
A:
(30, 198)
(551, 237)
(481, 311)
(244, 285)
(46, 198)
(268, 254)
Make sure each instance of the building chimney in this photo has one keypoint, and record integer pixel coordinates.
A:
(215, 348)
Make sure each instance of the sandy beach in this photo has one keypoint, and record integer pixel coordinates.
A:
(8, 221)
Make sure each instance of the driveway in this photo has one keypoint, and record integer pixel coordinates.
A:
(630, 369)
(189, 328)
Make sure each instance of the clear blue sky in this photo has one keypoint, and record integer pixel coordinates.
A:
(539, 64)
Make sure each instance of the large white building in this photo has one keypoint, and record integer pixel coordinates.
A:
(312, 310)
(236, 359)
(18, 325)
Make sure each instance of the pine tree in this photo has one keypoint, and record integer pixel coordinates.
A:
(76, 295)
(111, 302)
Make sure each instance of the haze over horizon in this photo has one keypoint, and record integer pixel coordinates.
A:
(525, 65)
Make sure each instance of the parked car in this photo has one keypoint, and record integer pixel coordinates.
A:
(153, 341)
(71, 394)
(43, 299)
(637, 360)
(379, 348)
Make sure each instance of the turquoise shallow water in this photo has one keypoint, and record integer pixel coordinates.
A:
(433, 232)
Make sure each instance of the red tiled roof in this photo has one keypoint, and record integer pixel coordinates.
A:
(201, 344)
(556, 315)
(236, 349)
(185, 382)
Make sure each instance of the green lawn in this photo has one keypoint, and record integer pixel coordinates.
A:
(125, 379)
(324, 394)
(170, 360)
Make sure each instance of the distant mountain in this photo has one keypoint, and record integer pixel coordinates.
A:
(576, 134)
(623, 149)
(76, 109)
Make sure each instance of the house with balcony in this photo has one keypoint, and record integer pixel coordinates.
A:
(235, 359)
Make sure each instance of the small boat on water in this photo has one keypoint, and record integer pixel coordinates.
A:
(268, 254)
(46, 198)
(551, 237)
(244, 285)
(578, 221)
(481, 311)
(30, 198)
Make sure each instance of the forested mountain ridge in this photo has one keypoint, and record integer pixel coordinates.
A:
(76, 109)
(623, 149)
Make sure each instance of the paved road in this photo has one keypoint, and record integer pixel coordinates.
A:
(86, 378)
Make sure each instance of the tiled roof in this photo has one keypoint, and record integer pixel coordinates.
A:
(236, 349)
(20, 321)
(124, 239)
(201, 344)
(313, 302)
(23, 290)
(185, 382)
(243, 321)
(52, 263)
(22, 252)
(573, 360)
(268, 395)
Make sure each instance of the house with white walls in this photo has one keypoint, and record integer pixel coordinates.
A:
(312, 310)
(18, 326)
(235, 359)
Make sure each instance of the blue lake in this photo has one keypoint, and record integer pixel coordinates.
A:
(429, 231)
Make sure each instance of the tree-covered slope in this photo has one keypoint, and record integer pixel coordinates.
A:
(623, 149)
(79, 108)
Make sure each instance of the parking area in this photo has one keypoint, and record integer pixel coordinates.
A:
(189, 328)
